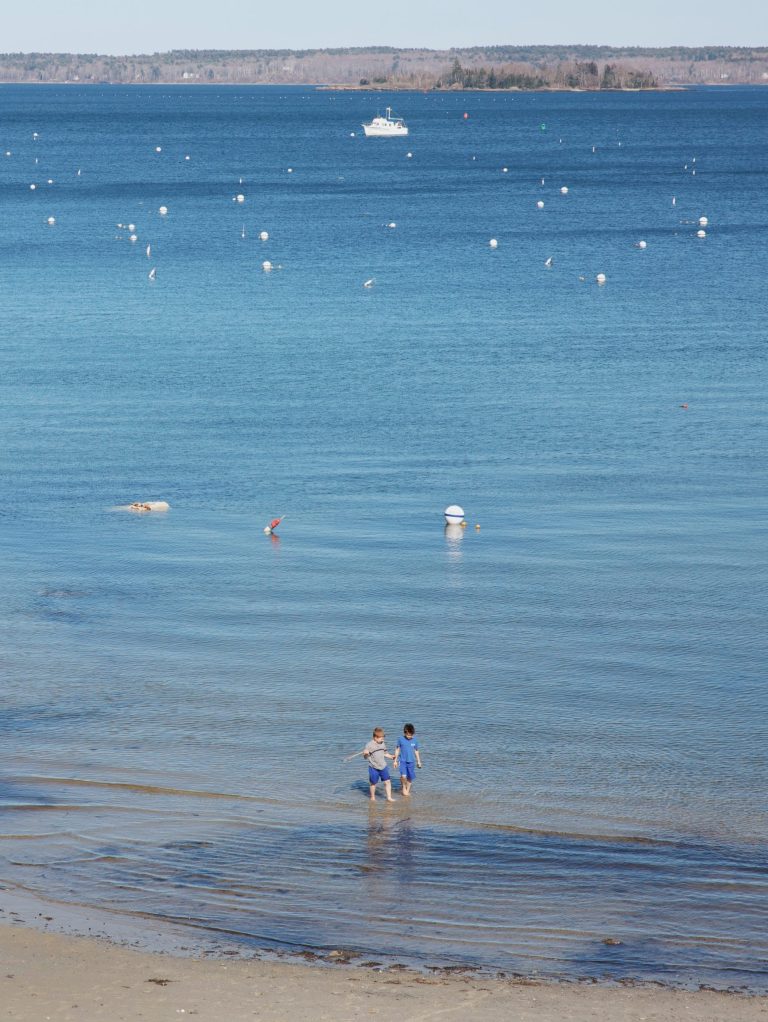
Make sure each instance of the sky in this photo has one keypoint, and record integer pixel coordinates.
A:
(150, 26)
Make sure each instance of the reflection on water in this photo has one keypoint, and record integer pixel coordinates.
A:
(454, 534)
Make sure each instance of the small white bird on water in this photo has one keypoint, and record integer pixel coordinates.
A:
(152, 273)
(149, 251)
(369, 283)
(548, 262)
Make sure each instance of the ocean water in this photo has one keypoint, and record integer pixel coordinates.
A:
(586, 671)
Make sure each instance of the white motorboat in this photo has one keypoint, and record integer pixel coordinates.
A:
(385, 127)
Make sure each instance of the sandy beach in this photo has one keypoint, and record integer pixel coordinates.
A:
(51, 976)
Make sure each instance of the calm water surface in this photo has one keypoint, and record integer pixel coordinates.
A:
(586, 672)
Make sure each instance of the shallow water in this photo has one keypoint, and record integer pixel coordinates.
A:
(586, 671)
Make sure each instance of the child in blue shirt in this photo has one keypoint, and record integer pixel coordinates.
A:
(407, 754)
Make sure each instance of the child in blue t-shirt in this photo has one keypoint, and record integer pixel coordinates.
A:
(407, 755)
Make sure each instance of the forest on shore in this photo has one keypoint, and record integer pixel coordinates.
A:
(491, 67)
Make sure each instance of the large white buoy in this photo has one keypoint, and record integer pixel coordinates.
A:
(493, 243)
(163, 211)
(564, 190)
(454, 515)
(158, 148)
(409, 155)
(703, 221)
(32, 188)
(600, 278)
(642, 244)
(51, 220)
(266, 266)
(505, 170)
(263, 236)
(392, 225)
(240, 197)
(540, 204)
(701, 234)
(131, 227)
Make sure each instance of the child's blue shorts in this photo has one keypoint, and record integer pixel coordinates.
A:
(375, 775)
(408, 771)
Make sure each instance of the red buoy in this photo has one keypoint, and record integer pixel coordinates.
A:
(466, 116)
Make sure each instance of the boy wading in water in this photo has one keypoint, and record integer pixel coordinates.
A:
(407, 752)
(376, 754)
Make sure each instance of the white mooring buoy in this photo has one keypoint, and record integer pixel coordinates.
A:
(454, 515)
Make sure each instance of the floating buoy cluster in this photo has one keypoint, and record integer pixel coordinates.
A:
(455, 522)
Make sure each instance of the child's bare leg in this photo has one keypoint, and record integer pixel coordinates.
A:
(373, 792)
(405, 786)
(388, 790)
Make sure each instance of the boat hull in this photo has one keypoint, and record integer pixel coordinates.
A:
(375, 131)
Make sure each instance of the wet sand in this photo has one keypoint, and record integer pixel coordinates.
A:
(60, 977)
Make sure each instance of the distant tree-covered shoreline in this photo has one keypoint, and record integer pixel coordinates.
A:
(483, 67)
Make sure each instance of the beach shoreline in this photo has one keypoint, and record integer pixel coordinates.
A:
(68, 962)
(57, 976)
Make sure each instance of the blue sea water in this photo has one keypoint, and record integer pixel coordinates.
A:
(586, 671)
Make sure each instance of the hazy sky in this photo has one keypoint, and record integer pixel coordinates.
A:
(147, 26)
